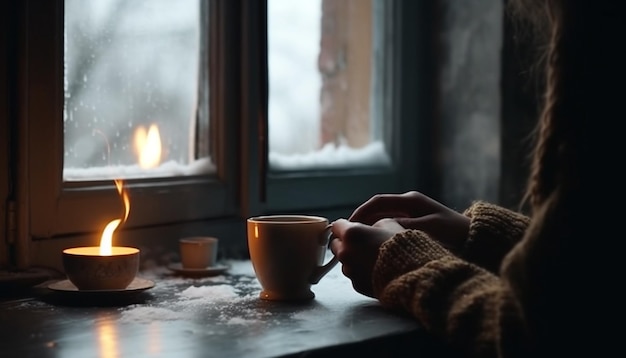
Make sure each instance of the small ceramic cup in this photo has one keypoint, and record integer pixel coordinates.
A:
(198, 252)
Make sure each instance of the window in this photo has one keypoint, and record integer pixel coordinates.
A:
(333, 123)
(131, 82)
(322, 70)
(91, 110)
(225, 88)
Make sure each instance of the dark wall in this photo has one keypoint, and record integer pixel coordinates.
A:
(470, 42)
(488, 99)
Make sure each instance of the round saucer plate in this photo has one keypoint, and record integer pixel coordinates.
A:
(209, 271)
(137, 285)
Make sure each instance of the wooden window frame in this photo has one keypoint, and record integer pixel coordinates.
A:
(340, 191)
(57, 208)
(244, 185)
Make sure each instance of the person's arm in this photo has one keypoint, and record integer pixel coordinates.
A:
(469, 307)
(482, 234)
(493, 232)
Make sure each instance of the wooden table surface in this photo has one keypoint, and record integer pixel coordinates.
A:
(217, 316)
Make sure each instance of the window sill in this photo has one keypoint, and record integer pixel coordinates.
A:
(221, 313)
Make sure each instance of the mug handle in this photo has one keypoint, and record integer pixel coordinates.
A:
(321, 271)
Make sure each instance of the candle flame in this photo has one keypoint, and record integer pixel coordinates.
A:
(148, 146)
(119, 184)
(106, 240)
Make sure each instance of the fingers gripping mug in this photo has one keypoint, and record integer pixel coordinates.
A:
(287, 253)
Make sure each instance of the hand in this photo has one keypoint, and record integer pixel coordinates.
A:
(414, 210)
(356, 246)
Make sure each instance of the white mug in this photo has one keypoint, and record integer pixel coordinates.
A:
(287, 253)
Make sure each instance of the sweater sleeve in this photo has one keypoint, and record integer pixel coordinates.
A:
(468, 306)
(493, 232)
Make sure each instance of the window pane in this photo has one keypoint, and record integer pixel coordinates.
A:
(323, 75)
(131, 89)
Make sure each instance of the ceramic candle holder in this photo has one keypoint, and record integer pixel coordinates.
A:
(87, 269)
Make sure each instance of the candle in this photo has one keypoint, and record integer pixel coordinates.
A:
(104, 267)
(87, 269)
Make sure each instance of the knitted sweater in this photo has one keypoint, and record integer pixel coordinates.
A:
(464, 300)
(546, 287)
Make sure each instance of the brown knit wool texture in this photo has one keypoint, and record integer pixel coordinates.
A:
(461, 299)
